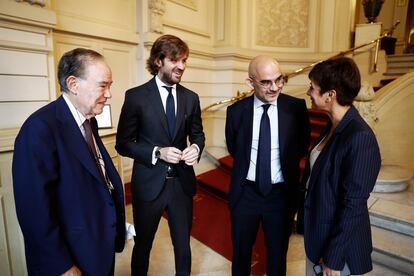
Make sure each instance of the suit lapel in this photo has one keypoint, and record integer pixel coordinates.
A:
(283, 122)
(247, 122)
(180, 108)
(156, 104)
(329, 147)
(72, 137)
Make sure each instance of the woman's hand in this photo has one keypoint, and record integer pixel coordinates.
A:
(330, 272)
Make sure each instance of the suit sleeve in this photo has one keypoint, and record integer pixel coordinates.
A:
(35, 178)
(128, 128)
(196, 134)
(360, 169)
(229, 132)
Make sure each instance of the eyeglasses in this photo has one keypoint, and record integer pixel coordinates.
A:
(280, 81)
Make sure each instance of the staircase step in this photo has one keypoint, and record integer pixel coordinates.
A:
(393, 74)
(392, 179)
(214, 153)
(318, 122)
(403, 57)
(393, 216)
(401, 64)
(226, 163)
(397, 71)
(386, 81)
(393, 250)
(216, 181)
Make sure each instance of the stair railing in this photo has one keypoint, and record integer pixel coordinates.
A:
(241, 95)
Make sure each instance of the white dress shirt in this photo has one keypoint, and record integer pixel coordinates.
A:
(276, 169)
(164, 94)
(80, 119)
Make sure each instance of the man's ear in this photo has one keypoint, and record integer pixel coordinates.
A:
(72, 84)
(249, 83)
(158, 62)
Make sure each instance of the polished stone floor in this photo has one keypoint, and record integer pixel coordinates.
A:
(206, 262)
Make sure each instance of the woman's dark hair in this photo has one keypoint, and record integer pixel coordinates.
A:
(339, 74)
(166, 46)
(73, 63)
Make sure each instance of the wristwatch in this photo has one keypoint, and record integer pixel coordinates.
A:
(157, 153)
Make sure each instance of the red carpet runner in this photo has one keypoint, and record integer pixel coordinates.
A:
(211, 221)
(211, 226)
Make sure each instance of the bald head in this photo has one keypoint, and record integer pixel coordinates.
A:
(265, 78)
(262, 63)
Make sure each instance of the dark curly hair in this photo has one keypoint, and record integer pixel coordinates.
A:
(339, 74)
(73, 63)
(166, 46)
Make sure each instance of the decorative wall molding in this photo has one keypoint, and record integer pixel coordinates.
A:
(27, 15)
(192, 4)
(285, 24)
(41, 3)
(156, 10)
(188, 29)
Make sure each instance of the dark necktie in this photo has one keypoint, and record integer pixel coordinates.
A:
(263, 171)
(170, 112)
(92, 148)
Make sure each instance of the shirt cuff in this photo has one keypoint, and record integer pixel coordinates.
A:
(154, 159)
(198, 149)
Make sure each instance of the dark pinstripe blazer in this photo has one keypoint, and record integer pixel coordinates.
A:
(336, 219)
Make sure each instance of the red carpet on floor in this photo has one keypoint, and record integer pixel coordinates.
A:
(211, 226)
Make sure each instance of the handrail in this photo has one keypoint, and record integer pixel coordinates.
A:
(300, 70)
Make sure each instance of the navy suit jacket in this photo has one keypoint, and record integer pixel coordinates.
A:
(336, 222)
(143, 125)
(66, 213)
(294, 132)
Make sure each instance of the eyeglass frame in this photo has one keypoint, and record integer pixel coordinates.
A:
(279, 81)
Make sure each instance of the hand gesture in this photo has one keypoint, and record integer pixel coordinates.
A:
(190, 155)
(171, 155)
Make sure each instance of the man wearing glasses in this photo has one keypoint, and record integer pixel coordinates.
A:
(266, 134)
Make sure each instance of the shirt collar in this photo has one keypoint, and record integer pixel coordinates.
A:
(160, 84)
(79, 118)
(258, 103)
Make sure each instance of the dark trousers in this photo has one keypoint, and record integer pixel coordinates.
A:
(273, 213)
(147, 215)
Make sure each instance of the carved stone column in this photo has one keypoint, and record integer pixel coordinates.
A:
(156, 10)
(363, 102)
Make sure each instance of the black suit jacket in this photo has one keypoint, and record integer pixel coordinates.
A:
(293, 141)
(65, 210)
(143, 125)
(337, 226)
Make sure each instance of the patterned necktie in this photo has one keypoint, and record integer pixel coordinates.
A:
(263, 171)
(92, 148)
(170, 112)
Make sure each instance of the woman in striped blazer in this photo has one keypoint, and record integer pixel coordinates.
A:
(341, 172)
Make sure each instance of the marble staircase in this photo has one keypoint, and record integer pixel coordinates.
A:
(398, 65)
(392, 220)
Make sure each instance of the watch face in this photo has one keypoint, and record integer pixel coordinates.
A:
(157, 154)
(318, 269)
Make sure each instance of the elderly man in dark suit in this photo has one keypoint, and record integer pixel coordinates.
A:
(69, 197)
(156, 121)
(267, 134)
